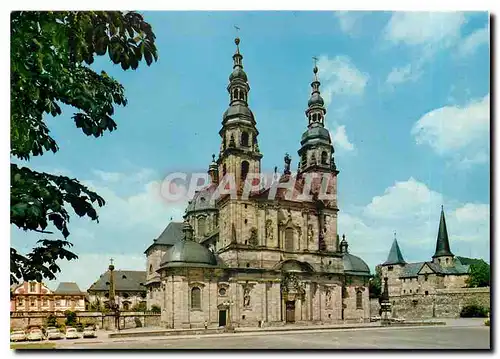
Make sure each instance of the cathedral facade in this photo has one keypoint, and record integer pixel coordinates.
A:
(270, 257)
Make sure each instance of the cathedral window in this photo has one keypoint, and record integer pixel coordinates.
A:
(32, 287)
(125, 306)
(222, 292)
(324, 158)
(244, 169)
(304, 159)
(244, 139)
(289, 239)
(359, 300)
(196, 298)
(150, 269)
(224, 169)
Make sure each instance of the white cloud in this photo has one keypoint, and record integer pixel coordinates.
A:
(425, 28)
(453, 130)
(348, 20)
(340, 76)
(404, 198)
(398, 75)
(412, 209)
(473, 41)
(340, 139)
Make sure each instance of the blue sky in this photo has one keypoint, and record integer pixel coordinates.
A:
(408, 110)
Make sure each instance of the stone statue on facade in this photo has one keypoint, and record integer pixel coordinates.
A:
(288, 161)
(269, 229)
(310, 233)
(246, 297)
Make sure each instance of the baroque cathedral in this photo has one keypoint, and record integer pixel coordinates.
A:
(263, 259)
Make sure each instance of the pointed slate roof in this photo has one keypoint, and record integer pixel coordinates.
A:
(395, 256)
(442, 243)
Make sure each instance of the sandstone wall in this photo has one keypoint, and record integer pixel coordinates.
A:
(444, 303)
(102, 320)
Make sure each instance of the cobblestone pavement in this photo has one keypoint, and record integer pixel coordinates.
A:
(442, 337)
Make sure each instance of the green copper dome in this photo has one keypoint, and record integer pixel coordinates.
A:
(187, 253)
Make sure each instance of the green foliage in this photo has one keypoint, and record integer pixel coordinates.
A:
(155, 309)
(51, 320)
(50, 56)
(375, 284)
(487, 322)
(140, 307)
(479, 275)
(79, 327)
(71, 320)
(473, 311)
(138, 323)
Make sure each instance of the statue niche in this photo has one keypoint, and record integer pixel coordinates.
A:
(269, 230)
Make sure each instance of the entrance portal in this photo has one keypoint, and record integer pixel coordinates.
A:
(222, 318)
(290, 311)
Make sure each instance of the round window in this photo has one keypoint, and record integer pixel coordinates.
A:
(222, 291)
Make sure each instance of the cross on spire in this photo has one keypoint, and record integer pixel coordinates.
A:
(111, 260)
(315, 60)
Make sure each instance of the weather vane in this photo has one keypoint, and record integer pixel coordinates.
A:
(237, 29)
(315, 60)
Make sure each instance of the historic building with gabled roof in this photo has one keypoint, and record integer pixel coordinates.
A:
(443, 271)
(128, 286)
(270, 259)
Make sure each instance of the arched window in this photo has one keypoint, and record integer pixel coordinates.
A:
(289, 239)
(242, 95)
(304, 159)
(224, 169)
(125, 306)
(324, 157)
(244, 138)
(359, 300)
(196, 298)
(244, 169)
(201, 226)
(150, 269)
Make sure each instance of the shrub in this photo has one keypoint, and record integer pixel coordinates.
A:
(487, 322)
(138, 323)
(473, 311)
(79, 327)
(155, 309)
(70, 318)
(51, 320)
(139, 307)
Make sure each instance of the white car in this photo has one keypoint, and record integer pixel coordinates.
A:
(35, 334)
(71, 333)
(89, 332)
(54, 333)
(18, 336)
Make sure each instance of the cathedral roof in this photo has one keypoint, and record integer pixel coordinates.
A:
(169, 236)
(238, 110)
(187, 253)
(201, 201)
(355, 265)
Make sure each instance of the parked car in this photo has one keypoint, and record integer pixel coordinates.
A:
(71, 333)
(17, 336)
(35, 334)
(89, 332)
(54, 333)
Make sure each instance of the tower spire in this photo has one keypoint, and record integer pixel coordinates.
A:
(316, 152)
(442, 242)
(395, 256)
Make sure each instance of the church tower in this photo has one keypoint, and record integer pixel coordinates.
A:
(443, 255)
(316, 152)
(239, 152)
